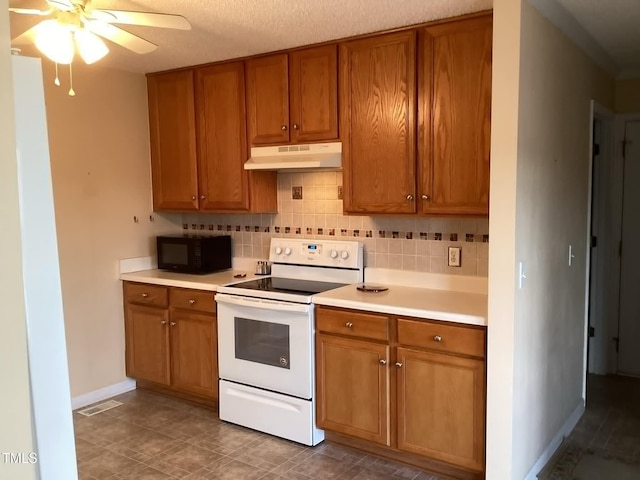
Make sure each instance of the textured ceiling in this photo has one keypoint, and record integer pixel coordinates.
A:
(224, 29)
(614, 25)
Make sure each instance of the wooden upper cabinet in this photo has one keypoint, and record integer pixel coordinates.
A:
(455, 117)
(378, 103)
(222, 137)
(173, 141)
(293, 97)
(268, 99)
(314, 94)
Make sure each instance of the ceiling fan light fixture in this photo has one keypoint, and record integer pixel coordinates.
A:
(90, 47)
(55, 41)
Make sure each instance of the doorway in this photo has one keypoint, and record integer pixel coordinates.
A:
(613, 307)
(629, 316)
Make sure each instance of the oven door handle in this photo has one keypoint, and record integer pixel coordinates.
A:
(263, 303)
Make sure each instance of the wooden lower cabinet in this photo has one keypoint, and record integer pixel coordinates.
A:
(171, 345)
(410, 389)
(353, 387)
(147, 343)
(194, 344)
(441, 407)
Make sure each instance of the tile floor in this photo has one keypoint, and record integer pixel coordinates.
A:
(154, 437)
(609, 430)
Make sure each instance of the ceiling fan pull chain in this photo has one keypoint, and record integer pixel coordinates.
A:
(57, 80)
(72, 92)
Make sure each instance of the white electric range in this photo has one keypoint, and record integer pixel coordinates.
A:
(265, 336)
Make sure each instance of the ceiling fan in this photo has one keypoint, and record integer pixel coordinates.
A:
(72, 25)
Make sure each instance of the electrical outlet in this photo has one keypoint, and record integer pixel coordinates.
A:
(296, 193)
(340, 192)
(454, 256)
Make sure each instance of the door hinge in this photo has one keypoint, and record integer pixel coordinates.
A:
(594, 241)
(592, 331)
(616, 340)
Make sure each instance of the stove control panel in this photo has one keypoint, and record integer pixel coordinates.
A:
(304, 251)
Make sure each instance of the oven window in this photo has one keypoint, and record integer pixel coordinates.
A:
(262, 342)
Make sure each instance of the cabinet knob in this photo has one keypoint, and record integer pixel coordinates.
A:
(283, 128)
(163, 322)
(296, 126)
(202, 197)
(399, 364)
(425, 196)
(348, 324)
(173, 324)
(437, 338)
(409, 197)
(145, 295)
(192, 302)
(383, 361)
(193, 197)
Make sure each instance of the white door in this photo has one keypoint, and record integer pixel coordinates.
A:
(629, 329)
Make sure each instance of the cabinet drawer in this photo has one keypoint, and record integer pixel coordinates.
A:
(145, 294)
(442, 337)
(353, 324)
(198, 300)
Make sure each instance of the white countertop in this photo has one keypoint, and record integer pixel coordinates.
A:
(209, 282)
(445, 305)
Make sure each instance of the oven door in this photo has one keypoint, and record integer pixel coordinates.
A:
(266, 344)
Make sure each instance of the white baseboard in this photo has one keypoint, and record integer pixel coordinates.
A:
(556, 442)
(102, 394)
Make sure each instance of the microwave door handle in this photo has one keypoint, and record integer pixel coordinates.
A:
(262, 303)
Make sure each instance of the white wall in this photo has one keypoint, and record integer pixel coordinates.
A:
(557, 83)
(16, 433)
(502, 218)
(99, 143)
(627, 98)
(542, 87)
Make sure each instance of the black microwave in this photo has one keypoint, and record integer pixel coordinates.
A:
(194, 253)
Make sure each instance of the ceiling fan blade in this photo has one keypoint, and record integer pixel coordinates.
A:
(121, 37)
(27, 37)
(146, 19)
(65, 5)
(31, 11)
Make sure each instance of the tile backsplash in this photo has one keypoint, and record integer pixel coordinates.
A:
(399, 242)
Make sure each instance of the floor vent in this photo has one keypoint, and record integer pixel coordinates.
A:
(101, 407)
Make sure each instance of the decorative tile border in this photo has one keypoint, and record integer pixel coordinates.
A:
(343, 232)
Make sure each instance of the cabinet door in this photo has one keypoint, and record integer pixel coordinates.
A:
(194, 353)
(172, 124)
(147, 343)
(314, 94)
(222, 137)
(378, 98)
(352, 383)
(455, 122)
(268, 99)
(441, 411)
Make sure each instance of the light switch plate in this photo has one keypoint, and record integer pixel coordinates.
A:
(454, 256)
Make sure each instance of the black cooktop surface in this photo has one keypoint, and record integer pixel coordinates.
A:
(288, 285)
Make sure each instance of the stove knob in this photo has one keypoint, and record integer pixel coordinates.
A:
(344, 254)
(334, 254)
(278, 250)
(287, 251)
